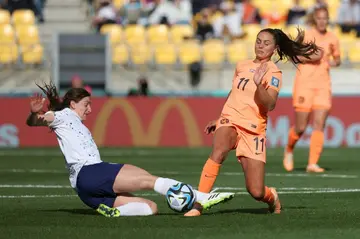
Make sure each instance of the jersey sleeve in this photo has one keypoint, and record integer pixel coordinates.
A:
(273, 80)
(59, 118)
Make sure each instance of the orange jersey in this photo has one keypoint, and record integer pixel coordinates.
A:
(318, 75)
(240, 107)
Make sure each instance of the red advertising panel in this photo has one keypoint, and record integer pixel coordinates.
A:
(170, 122)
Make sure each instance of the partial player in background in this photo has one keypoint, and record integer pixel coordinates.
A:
(103, 186)
(242, 123)
(312, 92)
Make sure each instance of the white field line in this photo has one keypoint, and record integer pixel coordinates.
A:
(153, 194)
(16, 170)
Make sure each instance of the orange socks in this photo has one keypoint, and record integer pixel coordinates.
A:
(208, 176)
(269, 197)
(292, 139)
(316, 146)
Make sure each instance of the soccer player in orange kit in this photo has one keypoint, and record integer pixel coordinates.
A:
(242, 123)
(312, 92)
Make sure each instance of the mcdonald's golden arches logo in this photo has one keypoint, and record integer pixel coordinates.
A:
(151, 136)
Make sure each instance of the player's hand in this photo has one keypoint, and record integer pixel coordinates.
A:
(260, 73)
(332, 63)
(37, 103)
(210, 127)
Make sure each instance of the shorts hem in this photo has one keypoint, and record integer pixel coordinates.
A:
(239, 160)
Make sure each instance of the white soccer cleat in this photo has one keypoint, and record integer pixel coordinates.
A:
(216, 198)
(288, 161)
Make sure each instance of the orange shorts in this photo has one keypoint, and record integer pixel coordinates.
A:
(307, 99)
(249, 145)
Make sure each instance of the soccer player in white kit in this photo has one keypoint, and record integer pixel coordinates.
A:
(103, 186)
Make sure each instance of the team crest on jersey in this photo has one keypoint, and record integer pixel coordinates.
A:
(224, 121)
(275, 81)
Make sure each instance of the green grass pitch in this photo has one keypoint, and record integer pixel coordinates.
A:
(37, 202)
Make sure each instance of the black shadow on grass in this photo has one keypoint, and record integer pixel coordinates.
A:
(80, 211)
(250, 211)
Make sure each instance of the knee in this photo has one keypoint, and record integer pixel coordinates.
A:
(219, 154)
(153, 206)
(300, 129)
(256, 193)
(318, 125)
(147, 182)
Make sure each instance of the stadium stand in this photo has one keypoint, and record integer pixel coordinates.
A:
(150, 45)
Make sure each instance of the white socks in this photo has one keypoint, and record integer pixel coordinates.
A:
(135, 209)
(162, 185)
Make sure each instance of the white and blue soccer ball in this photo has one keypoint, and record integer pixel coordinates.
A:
(180, 197)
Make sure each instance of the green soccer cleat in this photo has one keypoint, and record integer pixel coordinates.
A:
(216, 198)
(108, 211)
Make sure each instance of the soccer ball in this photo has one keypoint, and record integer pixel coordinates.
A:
(180, 197)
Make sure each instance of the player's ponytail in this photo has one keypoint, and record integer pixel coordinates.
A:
(52, 95)
(291, 49)
(55, 103)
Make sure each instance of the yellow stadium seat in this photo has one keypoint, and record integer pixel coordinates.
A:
(4, 17)
(114, 31)
(8, 53)
(27, 34)
(292, 30)
(165, 54)
(158, 34)
(120, 54)
(252, 31)
(354, 53)
(140, 53)
(237, 51)
(189, 52)
(307, 3)
(347, 38)
(179, 32)
(7, 34)
(32, 54)
(118, 3)
(23, 17)
(213, 52)
(135, 34)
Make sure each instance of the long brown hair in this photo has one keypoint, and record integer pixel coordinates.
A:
(57, 104)
(290, 49)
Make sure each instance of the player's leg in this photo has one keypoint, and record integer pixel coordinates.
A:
(251, 152)
(225, 139)
(302, 102)
(126, 204)
(322, 105)
(95, 188)
(131, 179)
(295, 133)
(254, 172)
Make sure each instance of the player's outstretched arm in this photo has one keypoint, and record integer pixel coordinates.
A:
(36, 117)
(266, 98)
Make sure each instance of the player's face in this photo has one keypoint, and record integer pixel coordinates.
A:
(264, 46)
(83, 107)
(321, 20)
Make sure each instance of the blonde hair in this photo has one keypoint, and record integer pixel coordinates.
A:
(310, 20)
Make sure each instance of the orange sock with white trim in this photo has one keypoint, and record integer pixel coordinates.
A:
(293, 137)
(208, 176)
(316, 146)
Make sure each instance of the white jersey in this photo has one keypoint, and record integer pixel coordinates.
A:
(76, 142)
